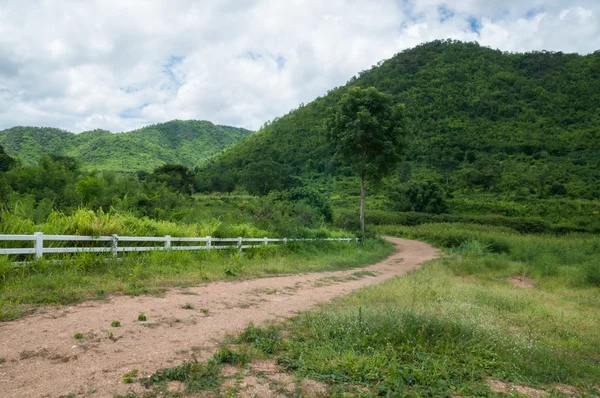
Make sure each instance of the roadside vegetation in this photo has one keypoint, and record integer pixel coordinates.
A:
(500, 313)
(90, 276)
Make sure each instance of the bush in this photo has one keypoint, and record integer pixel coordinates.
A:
(532, 225)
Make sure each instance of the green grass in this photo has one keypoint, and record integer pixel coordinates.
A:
(447, 328)
(566, 261)
(90, 276)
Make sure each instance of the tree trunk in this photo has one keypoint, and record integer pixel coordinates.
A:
(362, 201)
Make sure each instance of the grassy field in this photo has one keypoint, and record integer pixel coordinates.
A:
(502, 313)
(91, 276)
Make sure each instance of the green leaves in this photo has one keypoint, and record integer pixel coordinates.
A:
(367, 129)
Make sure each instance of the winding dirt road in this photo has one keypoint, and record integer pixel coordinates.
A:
(43, 359)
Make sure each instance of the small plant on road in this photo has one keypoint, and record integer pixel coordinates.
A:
(78, 336)
(130, 377)
(115, 324)
(141, 317)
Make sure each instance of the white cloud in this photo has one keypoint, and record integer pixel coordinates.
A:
(120, 65)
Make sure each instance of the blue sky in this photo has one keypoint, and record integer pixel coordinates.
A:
(120, 65)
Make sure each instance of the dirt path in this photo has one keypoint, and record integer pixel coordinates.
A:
(43, 359)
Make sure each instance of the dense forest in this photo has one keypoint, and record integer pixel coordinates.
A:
(186, 142)
(490, 132)
(493, 138)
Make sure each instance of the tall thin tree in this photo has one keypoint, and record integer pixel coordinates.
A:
(367, 128)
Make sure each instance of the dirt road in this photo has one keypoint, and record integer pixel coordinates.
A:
(43, 359)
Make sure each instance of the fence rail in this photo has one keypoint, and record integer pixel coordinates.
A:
(169, 243)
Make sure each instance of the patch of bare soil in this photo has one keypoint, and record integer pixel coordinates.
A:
(506, 388)
(503, 387)
(43, 359)
(266, 379)
(520, 281)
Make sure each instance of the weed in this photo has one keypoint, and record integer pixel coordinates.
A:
(130, 377)
(26, 354)
(205, 311)
(142, 317)
(266, 340)
(78, 336)
(2, 360)
(196, 376)
(115, 324)
(187, 306)
(225, 355)
(111, 336)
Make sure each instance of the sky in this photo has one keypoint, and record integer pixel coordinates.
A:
(123, 64)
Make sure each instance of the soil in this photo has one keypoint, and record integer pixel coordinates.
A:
(43, 359)
(522, 282)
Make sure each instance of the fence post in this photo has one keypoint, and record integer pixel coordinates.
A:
(39, 245)
(167, 242)
(266, 241)
(239, 243)
(114, 244)
(209, 242)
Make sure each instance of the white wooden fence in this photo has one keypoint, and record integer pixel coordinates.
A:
(113, 243)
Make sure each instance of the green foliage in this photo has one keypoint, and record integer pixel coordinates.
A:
(176, 176)
(259, 178)
(571, 259)
(130, 377)
(435, 332)
(225, 355)
(367, 130)
(196, 376)
(175, 142)
(424, 197)
(487, 127)
(532, 224)
(592, 271)
(310, 196)
(85, 276)
(115, 324)
(6, 161)
(267, 340)
(142, 317)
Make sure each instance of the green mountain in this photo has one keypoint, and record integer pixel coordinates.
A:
(187, 142)
(482, 122)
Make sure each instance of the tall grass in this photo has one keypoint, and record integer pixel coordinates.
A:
(97, 223)
(566, 260)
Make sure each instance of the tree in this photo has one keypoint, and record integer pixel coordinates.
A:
(6, 162)
(367, 129)
(421, 197)
(266, 175)
(176, 176)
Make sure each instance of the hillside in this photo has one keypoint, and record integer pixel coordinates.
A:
(188, 142)
(482, 122)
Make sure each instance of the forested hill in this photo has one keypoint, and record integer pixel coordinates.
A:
(187, 142)
(480, 121)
